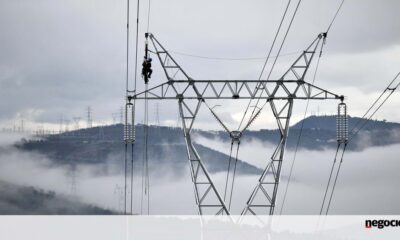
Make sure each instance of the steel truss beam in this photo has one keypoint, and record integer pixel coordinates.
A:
(236, 89)
(279, 93)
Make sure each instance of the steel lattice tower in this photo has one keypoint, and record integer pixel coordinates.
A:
(280, 94)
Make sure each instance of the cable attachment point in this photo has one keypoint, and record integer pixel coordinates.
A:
(323, 36)
(235, 135)
(129, 98)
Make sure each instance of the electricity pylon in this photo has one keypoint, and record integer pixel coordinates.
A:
(280, 94)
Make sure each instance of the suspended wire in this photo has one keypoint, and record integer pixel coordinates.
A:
(284, 39)
(126, 99)
(147, 189)
(134, 91)
(268, 56)
(370, 108)
(233, 140)
(136, 41)
(145, 175)
(230, 59)
(148, 16)
(254, 117)
(278, 54)
(127, 48)
(234, 175)
(366, 113)
(329, 180)
(276, 36)
(147, 162)
(145, 167)
(336, 178)
(366, 121)
(304, 117)
(126, 162)
(300, 133)
(229, 167)
(392, 90)
(334, 17)
(132, 154)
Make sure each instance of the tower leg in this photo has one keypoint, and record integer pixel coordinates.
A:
(263, 198)
(208, 199)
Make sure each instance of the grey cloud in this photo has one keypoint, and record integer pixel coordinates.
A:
(57, 58)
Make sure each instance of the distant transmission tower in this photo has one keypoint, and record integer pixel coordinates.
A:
(121, 115)
(89, 119)
(61, 121)
(114, 117)
(76, 122)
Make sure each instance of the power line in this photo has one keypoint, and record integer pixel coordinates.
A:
(275, 60)
(284, 39)
(134, 105)
(273, 43)
(375, 102)
(234, 175)
(126, 103)
(127, 48)
(336, 178)
(300, 134)
(229, 168)
(136, 41)
(392, 90)
(334, 17)
(231, 59)
(266, 61)
(329, 180)
(145, 164)
(89, 117)
(305, 114)
(148, 16)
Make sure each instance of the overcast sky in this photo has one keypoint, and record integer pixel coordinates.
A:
(58, 57)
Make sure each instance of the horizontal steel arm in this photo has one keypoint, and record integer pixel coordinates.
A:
(236, 89)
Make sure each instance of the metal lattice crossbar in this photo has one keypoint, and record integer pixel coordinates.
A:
(236, 89)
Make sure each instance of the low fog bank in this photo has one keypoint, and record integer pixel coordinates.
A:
(367, 182)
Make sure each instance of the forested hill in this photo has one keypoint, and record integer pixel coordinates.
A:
(167, 147)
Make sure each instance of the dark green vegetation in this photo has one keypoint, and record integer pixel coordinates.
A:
(15, 199)
(167, 149)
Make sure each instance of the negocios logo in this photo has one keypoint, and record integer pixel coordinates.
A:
(380, 224)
